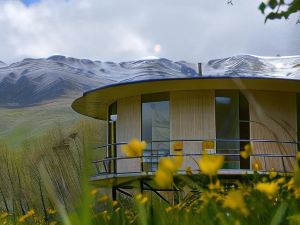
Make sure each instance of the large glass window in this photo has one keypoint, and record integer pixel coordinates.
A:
(232, 124)
(244, 118)
(112, 136)
(155, 128)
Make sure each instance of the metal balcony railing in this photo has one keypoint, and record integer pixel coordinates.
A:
(147, 164)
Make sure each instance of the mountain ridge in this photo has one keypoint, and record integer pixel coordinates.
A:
(36, 81)
(33, 81)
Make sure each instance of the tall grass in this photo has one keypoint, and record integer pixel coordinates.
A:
(48, 183)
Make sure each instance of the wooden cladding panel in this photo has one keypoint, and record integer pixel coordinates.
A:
(192, 117)
(128, 127)
(273, 116)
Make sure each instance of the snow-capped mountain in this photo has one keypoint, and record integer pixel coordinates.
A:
(255, 66)
(33, 81)
(2, 64)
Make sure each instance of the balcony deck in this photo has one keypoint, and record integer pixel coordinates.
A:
(108, 175)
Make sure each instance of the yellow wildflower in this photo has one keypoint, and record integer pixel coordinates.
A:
(188, 170)
(237, 222)
(270, 189)
(210, 164)
(30, 213)
(178, 159)
(51, 211)
(134, 148)
(256, 166)
(178, 146)
(142, 199)
(3, 215)
(272, 173)
(208, 145)
(104, 198)
(94, 191)
(290, 185)
(247, 151)
(298, 155)
(168, 209)
(235, 200)
(115, 203)
(105, 214)
(166, 169)
(163, 178)
(168, 165)
(281, 180)
(297, 192)
(213, 186)
(23, 218)
(117, 209)
(177, 149)
(53, 223)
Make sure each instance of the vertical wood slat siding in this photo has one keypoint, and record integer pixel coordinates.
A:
(128, 127)
(192, 117)
(273, 116)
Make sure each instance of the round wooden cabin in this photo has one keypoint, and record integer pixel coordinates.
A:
(220, 114)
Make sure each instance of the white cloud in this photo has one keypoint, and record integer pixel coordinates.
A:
(119, 30)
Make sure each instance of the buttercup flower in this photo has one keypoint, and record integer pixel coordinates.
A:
(256, 166)
(188, 170)
(104, 198)
(210, 164)
(3, 215)
(134, 148)
(168, 165)
(272, 173)
(163, 178)
(214, 185)
(178, 146)
(167, 168)
(94, 191)
(270, 189)
(51, 211)
(142, 199)
(247, 151)
(30, 213)
(235, 200)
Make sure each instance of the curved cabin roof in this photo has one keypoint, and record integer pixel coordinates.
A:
(238, 72)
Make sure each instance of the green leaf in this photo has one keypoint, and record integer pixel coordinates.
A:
(279, 214)
(262, 7)
(273, 4)
(272, 16)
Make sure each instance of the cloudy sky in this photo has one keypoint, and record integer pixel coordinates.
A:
(121, 30)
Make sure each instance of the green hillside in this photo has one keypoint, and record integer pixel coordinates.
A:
(22, 124)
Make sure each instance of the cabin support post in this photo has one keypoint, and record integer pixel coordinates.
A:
(114, 193)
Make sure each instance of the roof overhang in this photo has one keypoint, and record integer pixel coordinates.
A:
(94, 103)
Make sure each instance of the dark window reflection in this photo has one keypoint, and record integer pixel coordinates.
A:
(155, 128)
(112, 137)
(227, 126)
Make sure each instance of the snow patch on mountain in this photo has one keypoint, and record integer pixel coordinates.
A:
(255, 66)
(33, 81)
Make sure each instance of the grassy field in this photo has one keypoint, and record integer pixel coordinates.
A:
(19, 125)
(46, 181)
(52, 187)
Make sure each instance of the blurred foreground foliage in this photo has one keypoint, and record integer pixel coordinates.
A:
(278, 9)
(48, 183)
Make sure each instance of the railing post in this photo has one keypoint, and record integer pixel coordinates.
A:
(97, 168)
